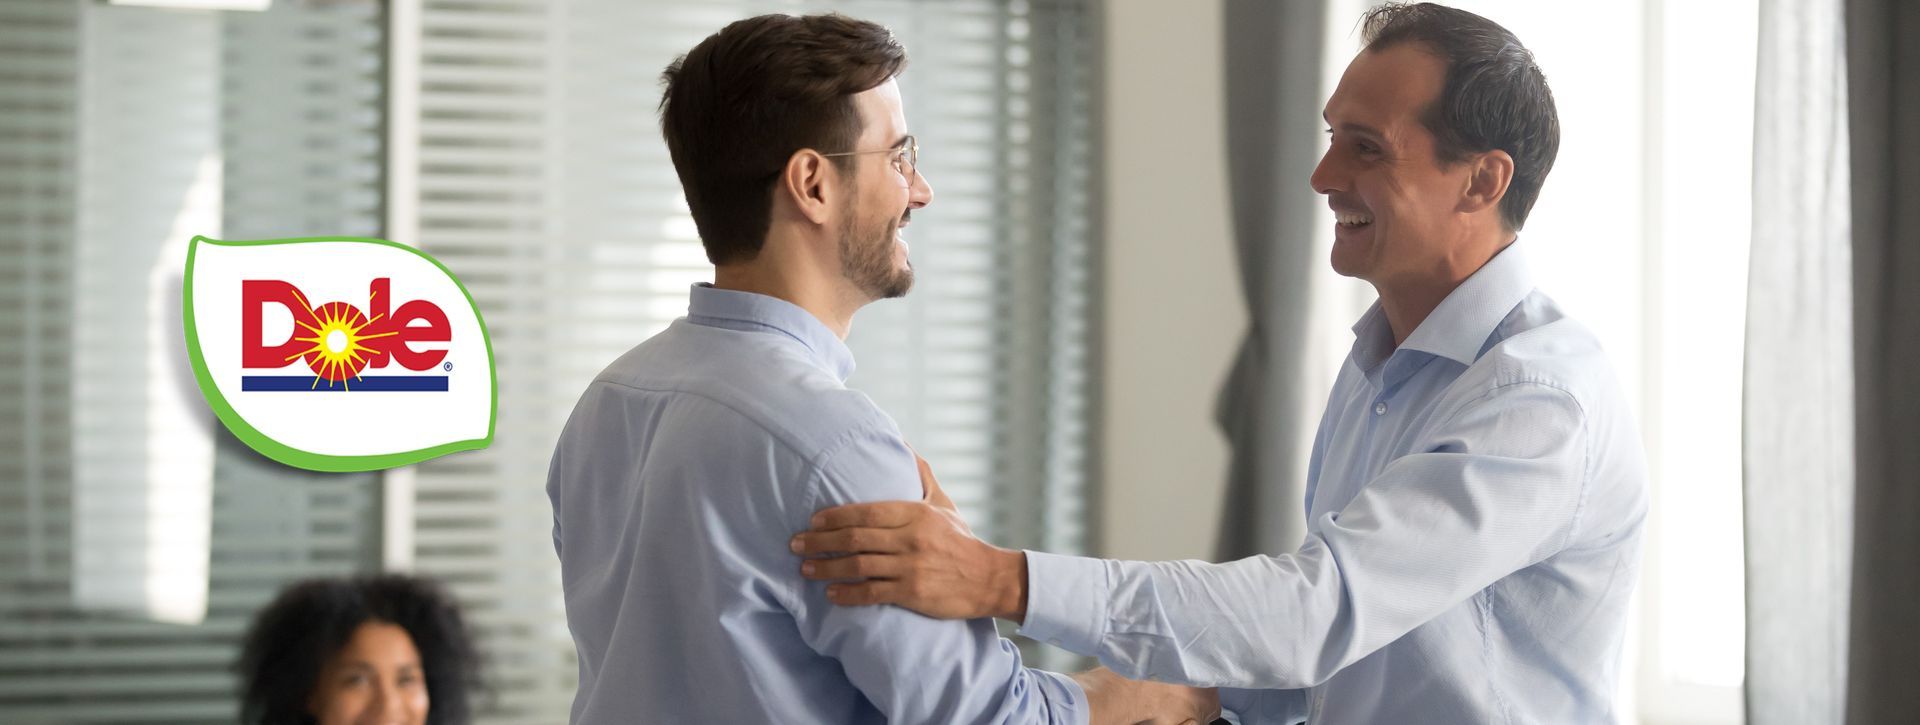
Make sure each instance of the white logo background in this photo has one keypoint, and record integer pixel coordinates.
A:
(352, 422)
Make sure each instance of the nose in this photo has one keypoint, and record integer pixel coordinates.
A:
(1327, 177)
(387, 706)
(921, 193)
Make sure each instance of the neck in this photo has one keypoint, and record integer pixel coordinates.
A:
(1409, 300)
(801, 285)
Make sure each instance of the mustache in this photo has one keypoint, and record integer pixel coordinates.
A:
(906, 216)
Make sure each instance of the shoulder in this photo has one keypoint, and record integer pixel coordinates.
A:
(1544, 388)
(755, 383)
(1538, 347)
(1550, 379)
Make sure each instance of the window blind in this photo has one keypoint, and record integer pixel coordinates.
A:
(124, 126)
(538, 176)
(543, 183)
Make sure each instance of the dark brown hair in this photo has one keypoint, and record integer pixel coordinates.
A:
(1494, 97)
(741, 103)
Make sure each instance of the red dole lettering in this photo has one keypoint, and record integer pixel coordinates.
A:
(381, 337)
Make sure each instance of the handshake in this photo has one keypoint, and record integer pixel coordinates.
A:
(1129, 702)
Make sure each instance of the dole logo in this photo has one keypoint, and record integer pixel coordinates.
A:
(338, 353)
(337, 341)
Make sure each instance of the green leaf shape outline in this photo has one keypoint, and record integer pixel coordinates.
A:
(288, 455)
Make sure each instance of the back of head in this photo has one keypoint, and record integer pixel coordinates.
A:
(291, 640)
(744, 100)
(1494, 97)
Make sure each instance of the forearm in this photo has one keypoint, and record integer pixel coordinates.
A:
(1362, 579)
(1256, 623)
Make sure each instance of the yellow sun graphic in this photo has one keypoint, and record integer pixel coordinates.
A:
(338, 329)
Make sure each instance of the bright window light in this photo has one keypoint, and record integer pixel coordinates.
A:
(1642, 234)
(255, 5)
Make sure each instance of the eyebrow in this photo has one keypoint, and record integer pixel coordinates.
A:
(1351, 126)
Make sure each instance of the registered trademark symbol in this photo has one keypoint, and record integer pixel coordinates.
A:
(447, 366)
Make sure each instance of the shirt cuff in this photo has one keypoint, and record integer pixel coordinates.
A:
(1238, 702)
(1066, 601)
(1256, 707)
(1066, 700)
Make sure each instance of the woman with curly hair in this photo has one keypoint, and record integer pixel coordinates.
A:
(380, 649)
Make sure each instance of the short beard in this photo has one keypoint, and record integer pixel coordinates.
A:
(866, 258)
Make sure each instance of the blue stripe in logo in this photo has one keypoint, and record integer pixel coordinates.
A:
(370, 383)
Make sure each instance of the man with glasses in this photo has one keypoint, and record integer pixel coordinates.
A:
(691, 460)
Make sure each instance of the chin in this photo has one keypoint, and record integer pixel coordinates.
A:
(1349, 262)
(902, 283)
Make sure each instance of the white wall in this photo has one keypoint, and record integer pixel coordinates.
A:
(1173, 313)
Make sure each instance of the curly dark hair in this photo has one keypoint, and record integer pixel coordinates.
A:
(291, 640)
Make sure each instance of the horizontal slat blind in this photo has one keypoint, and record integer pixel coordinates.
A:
(543, 183)
(289, 101)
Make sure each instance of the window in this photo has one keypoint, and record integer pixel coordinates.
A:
(543, 183)
(1641, 233)
(129, 130)
(517, 141)
(1650, 102)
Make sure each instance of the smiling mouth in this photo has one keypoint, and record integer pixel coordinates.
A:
(1352, 219)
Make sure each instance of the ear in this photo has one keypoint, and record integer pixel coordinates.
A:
(1487, 181)
(809, 183)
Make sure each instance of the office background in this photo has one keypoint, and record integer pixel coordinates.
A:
(1075, 361)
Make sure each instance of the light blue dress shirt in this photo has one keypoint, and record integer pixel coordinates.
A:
(684, 470)
(1474, 508)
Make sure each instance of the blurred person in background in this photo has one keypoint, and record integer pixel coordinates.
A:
(363, 651)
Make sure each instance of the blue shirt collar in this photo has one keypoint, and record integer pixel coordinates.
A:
(714, 307)
(1457, 329)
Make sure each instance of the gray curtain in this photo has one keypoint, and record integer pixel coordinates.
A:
(1273, 62)
(1798, 431)
(1883, 74)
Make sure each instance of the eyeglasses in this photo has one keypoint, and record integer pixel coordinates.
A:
(906, 158)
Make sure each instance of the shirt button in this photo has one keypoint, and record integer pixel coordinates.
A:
(1380, 408)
